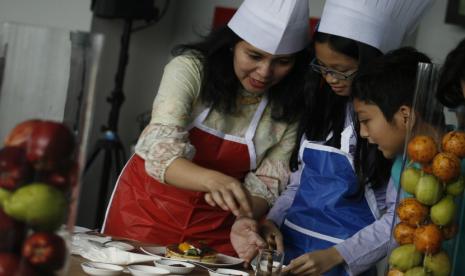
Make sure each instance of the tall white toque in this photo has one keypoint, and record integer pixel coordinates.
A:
(379, 23)
(274, 26)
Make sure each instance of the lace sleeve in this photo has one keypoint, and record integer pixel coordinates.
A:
(159, 145)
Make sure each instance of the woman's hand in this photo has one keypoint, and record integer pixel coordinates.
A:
(314, 263)
(270, 232)
(245, 239)
(229, 194)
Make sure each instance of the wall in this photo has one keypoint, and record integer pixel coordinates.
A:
(67, 14)
(436, 38)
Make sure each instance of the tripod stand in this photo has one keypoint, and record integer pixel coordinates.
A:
(110, 143)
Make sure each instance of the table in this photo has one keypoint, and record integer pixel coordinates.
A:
(76, 270)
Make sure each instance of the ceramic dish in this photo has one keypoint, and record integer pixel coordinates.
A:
(175, 267)
(226, 271)
(120, 245)
(221, 259)
(147, 270)
(101, 269)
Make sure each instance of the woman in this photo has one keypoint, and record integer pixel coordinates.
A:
(224, 114)
(451, 93)
(337, 195)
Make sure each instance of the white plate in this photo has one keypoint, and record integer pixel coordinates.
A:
(226, 271)
(120, 245)
(147, 270)
(101, 269)
(221, 259)
(185, 267)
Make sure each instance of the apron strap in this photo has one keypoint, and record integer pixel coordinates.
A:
(250, 133)
(200, 118)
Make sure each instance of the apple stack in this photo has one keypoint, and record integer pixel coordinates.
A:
(37, 173)
(434, 182)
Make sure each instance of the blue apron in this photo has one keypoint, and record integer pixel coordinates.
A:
(321, 215)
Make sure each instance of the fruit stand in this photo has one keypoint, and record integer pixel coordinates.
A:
(47, 81)
(428, 231)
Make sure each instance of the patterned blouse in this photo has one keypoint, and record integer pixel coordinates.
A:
(177, 104)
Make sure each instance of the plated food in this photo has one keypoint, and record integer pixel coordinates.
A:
(222, 260)
(194, 251)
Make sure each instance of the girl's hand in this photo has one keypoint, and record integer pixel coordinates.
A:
(229, 194)
(270, 232)
(245, 239)
(314, 263)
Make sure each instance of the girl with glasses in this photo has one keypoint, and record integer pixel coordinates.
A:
(332, 218)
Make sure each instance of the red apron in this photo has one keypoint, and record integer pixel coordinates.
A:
(146, 210)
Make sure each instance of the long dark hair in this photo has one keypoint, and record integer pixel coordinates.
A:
(326, 113)
(220, 86)
(449, 90)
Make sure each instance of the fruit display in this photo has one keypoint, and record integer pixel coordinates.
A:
(432, 189)
(37, 174)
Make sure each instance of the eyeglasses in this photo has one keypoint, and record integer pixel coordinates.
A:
(335, 74)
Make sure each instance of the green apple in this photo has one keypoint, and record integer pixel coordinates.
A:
(4, 195)
(443, 212)
(438, 264)
(416, 271)
(405, 257)
(456, 188)
(39, 205)
(428, 190)
(409, 180)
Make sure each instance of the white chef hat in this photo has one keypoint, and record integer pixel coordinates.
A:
(379, 23)
(274, 26)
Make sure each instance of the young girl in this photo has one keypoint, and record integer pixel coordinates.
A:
(222, 130)
(332, 211)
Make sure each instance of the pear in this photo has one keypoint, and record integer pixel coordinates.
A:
(416, 271)
(438, 264)
(428, 190)
(443, 212)
(456, 188)
(4, 195)
(409, 180)
(405, 257)
(39, 205)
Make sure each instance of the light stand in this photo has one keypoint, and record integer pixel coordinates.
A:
(110, 143)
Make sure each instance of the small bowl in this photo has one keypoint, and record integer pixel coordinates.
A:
(175, 267)
(147, 270)
(101, 269)
(227, 271)
(120, 245)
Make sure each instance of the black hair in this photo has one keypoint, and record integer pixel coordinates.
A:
(452, 72)
(326, 111)
(220, 86)
(389, 81)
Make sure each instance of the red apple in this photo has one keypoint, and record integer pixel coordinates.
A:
(15, 169)
(12, 265)
(45, 250)
(12, 233)
(61, 178)
(47, 143)
(20, 134)
(50, 144)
